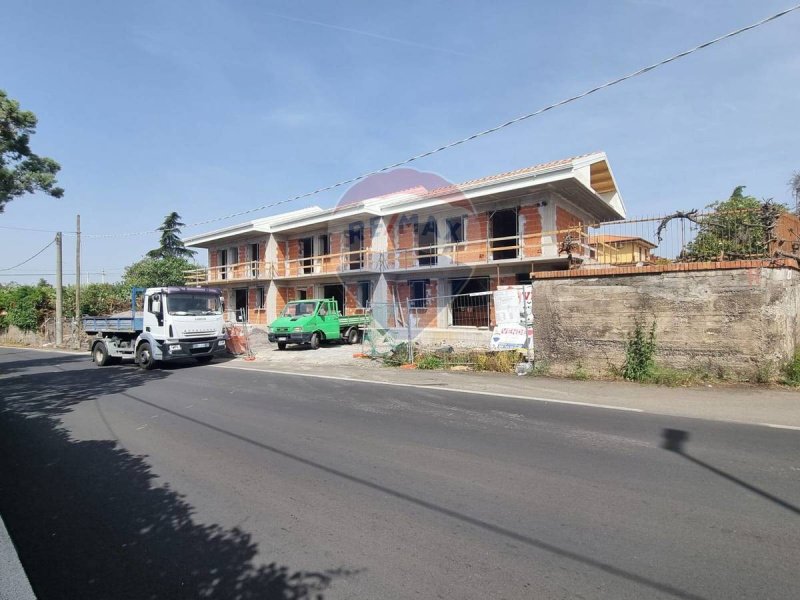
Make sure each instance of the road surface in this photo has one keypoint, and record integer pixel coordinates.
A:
(212, 482)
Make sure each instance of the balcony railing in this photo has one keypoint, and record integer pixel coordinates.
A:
(250, 270)
(489, 250)
(342, 262)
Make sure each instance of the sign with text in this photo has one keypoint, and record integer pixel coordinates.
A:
(513, 306)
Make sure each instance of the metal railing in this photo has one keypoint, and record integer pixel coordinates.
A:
(681, 237)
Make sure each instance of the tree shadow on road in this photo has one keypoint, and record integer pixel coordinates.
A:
(13, 366)
(89, 522)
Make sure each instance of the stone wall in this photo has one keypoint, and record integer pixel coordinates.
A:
(726, 320)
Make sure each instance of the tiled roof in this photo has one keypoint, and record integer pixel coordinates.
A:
(490, 178)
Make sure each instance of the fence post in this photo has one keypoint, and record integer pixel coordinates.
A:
(408, 329)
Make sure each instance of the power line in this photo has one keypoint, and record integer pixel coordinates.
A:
(31, 258)
(479, 134)
(30, 229)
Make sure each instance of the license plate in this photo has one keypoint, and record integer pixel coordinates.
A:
(282, 339)
(199, 345)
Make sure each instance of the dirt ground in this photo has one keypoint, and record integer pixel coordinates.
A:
(329, 354)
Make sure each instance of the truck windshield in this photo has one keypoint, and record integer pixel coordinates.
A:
(193, 304)
(299, 309)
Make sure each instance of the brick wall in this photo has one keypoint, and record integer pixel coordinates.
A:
(350, 298)
(406, 239)
(565, 220)
(281, 298)
(420, 317)
(477, 233)
(532, 226)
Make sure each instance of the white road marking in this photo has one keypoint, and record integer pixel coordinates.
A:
(78, 352)
(792, 427)
(430, 387)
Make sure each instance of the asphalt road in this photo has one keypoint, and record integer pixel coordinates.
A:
(210, 482)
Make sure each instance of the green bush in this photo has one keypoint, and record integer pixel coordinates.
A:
(580, 373)
(791, 370)
(26, 306)
(398, 355)
(640, 351)
(430, 362)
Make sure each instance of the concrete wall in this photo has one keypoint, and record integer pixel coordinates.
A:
(731, 321)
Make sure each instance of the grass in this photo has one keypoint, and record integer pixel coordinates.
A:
(579, 372)
(430, 362)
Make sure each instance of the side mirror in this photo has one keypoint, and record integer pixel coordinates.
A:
(323, 311)
(156, 307)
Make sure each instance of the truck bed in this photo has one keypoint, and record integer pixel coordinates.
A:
(94, 325)
(354, 320)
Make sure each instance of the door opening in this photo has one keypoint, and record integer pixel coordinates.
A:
(505, 226)
(241, 304)
(336, 292)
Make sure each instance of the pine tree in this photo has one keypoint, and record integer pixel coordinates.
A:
(171, 244)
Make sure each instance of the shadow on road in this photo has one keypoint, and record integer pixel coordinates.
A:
(675, 440)
(664, 588)
(89, 521)
(14, 366)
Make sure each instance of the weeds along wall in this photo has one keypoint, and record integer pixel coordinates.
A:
(731, 322)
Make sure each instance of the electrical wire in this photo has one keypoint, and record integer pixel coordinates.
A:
(484, 132)
(39, 230)
(31, 258)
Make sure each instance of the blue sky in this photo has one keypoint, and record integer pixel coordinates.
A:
(211, 107)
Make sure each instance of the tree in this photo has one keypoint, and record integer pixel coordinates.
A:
(156, 272)
(739, 227)
(794, 185)
(171, 244)
(22, 171)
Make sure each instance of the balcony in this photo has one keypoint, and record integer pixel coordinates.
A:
(252, 270)
(547, 245)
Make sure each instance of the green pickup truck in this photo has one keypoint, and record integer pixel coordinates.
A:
(314, 321)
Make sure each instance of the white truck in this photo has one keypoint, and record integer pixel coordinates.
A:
(176, 323)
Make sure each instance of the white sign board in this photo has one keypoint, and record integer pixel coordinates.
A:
(509, 337)
(513, 309)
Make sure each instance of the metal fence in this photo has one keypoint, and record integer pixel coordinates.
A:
(692, 236)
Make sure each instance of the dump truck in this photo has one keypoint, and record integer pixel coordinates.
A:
(175, 323)
(314, 321)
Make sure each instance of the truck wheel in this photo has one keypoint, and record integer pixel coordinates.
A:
(281, 345)
(204, 360)
(144, 356)
(352, 335)
(314, 341)
(100, 355)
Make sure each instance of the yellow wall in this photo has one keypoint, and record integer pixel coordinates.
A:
(622, 252)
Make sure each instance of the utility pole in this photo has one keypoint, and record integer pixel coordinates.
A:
(59, 291)
(78, 271)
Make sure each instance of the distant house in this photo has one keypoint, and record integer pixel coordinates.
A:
(621, 249)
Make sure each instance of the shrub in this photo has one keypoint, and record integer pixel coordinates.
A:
(430, 362)
(791, 370)
(540, 369)
(762, 373)
(398, 355)
(501, 362)
(579, 373)
(27, 306)
(640, 350)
